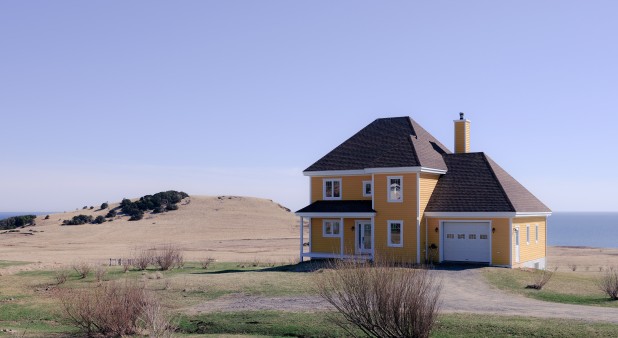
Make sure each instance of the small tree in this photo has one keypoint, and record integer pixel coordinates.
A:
(609, 283)
(381, 300)
(100, 219)
(540, 278)
(82, 268)
(111, 214)
(104, 206)
(168, 257)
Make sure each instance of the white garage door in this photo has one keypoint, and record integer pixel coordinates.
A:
(466, 241)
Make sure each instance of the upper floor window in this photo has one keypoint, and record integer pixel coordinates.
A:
(536, 234)
(367, 188)
(332, 189)
(527, 234)
(395, 188)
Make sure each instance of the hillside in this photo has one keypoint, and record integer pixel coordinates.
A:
(227, 228)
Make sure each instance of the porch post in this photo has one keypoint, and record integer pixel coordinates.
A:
(302, 239)
(341, 231)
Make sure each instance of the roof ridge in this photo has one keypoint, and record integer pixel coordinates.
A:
(493, 174)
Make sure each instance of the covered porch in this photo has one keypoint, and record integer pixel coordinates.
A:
(337, 229)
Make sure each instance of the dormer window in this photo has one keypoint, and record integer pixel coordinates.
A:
(332, 189)
(395, 189)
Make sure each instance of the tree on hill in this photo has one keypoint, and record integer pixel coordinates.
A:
(104, 206)
(157, 203)
(17, 222)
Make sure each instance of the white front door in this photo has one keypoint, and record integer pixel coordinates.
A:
(516, 245)
(363, 237)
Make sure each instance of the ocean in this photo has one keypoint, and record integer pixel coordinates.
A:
(595, 229)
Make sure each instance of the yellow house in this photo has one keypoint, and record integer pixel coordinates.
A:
(393, 190)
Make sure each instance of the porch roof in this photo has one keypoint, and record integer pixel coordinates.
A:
(340, 208)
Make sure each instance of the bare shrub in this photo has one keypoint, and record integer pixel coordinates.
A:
(609, 283)
(205, 263)
(155, 320)
(540, 278)
(125, 265)
(111, 309)
(168, 257)
(83, 269)
(573, 267)
(142, 259)
(61, 276)
(381, 300)
(99, 273)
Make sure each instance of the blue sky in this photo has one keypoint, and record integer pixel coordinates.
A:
(101, 100)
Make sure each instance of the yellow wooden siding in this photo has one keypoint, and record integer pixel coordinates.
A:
(351, 187)
(405, 211)
(321, 244)
(428, 183)
(462, 137)
(500, 249)
(532, 250)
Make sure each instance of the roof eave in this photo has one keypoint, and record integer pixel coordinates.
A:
(368, 171)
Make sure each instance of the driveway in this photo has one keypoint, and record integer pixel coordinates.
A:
(464, 291)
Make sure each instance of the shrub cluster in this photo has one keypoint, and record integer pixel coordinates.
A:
(17, 222)
(159, 202)
(165, 257)
(104, 206)
(111, 214)
(78, 220)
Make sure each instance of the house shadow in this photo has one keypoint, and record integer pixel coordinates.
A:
(302, 267)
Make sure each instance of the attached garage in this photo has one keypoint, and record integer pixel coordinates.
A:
(466, 241)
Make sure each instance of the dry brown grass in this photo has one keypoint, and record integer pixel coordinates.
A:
(381, 300)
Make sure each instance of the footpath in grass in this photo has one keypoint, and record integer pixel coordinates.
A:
(563, 287)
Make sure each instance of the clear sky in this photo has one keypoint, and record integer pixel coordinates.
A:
(101, 100)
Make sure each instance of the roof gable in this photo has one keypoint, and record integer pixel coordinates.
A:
(385, 143)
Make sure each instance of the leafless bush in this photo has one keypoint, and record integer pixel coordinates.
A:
(609, 283)
(125, 265)
(155, 320)
(206, 262)
(100, 272)
(573, 267)
(111, 309)
(168, 257)
(61, 276)
(540, 278)
(142, 259)
(381, 300)
(83, 269)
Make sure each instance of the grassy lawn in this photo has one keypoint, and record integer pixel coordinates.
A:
(564, 287)
(6, 264)
(28, 306)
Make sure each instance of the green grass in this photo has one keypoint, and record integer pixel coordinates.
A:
(286, 324)
(6, 264)
(564, 287)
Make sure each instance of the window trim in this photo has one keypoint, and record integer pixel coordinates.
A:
(324, 188)
(388, 189)
(527, 234)
(388, 234)
(536, 233)
(324, 234)
(364, 190)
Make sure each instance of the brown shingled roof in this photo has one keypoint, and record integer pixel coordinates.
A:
(386, 143)
(475, 183)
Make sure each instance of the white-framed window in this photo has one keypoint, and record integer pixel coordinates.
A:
(527, 234)
(450, 236)
(331, 228)
(536, 233)
(483, 236)
(461, 236)
(367, 189)
(471, 236)
(395, 233)
(395, 188)
(332, 188)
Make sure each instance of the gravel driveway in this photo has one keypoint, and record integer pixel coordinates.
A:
(464, 291)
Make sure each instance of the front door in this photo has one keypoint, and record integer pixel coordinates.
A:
(364, 242)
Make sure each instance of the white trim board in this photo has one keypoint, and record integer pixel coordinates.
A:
(367, 171)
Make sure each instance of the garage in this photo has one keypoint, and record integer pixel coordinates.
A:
(466, 241)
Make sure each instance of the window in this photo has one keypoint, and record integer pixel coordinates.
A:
(395, 188)
(461, 236)
(331, 228)
(472, 236)
(367, 188)
(395, 233)
(450, 236)
(483, 237)
(332, 189)
(527, 234)
(536, 233)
